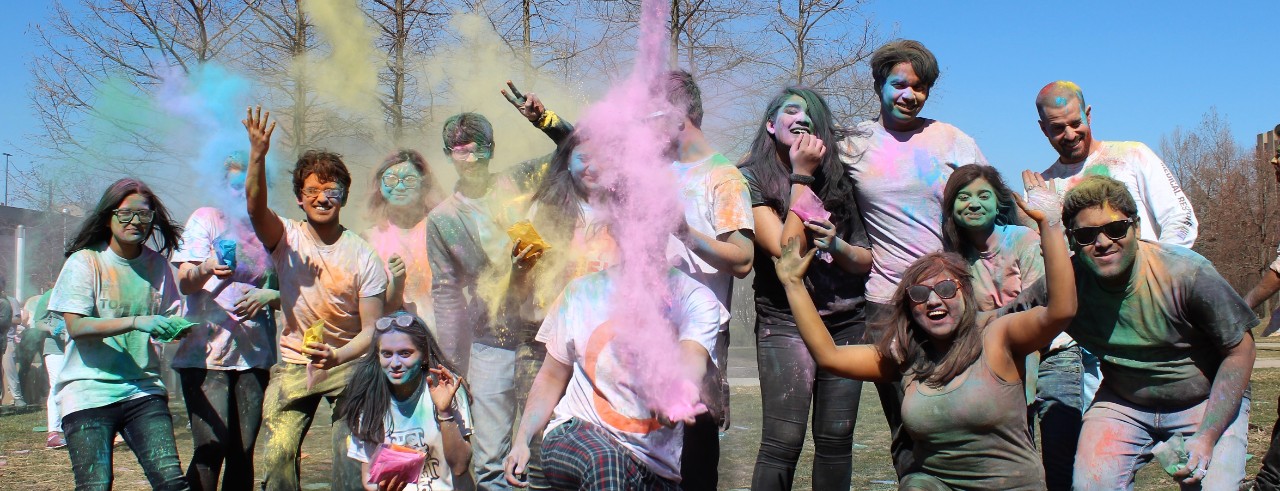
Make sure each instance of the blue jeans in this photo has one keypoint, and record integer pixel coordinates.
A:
(1059, 408)
(1117, 437)
(493, 410)
(791, 384)
(146, 427)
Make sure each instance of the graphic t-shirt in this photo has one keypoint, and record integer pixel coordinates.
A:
(716, 202)
(323, 282)
(97, 283)
(1165, 212)
(1002, 272)
(1160, 340)
(603, 390)
(413, 424)
(411, 245)
(899, 178)
(223, 340)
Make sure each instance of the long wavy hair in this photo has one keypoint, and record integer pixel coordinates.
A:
(163, 232)
(952, 239)
(910, 346)
(558, 198)
(833, 184)
(368, 396)
(428, 191)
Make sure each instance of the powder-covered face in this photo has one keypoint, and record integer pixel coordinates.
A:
(1067, 128)
(135, 232)
(938, 316)
(472, 159)
(583, 168)
(976, 205)
(791, 121)
(235, 177)
(1110, 259)
(316, 201)
(903, 95)
(405, 184)
(400, 359)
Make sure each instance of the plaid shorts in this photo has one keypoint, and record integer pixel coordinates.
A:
(578, 455)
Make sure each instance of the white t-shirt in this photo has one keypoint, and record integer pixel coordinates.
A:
(411, 245)
(603, 390)
(413, 424)
(225, 341)
(716, 201)
(1165, 212)
(899, 180)
(98, 283)
(319, 281)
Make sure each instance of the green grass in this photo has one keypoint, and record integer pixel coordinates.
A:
(25, 464)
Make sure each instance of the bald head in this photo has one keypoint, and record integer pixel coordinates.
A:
(1059, 94)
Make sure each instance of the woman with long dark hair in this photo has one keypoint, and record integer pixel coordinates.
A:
(116, 294)
(789, 159)
(407, 191)
(979, 224)
(407, 392)
(962, 369)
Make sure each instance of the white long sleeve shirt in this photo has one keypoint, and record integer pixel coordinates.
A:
(1165, 213)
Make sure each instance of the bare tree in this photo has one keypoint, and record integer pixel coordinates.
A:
(408, 30)
(823, 51)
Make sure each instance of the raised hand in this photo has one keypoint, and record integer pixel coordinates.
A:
(806, 154)
(443, 386)
(399, 271)
(1043, 204)
(791, 267)
(259, 132)
(528, 104)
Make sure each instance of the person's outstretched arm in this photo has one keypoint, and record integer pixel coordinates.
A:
(1025, 332)
(266, 224)
(860, 361)
(1267, 286)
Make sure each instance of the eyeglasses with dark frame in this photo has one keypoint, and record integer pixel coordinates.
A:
(125, 215)
(410, 182)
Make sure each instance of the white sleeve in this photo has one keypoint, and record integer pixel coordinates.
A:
(1165, 200)
(197, 237)
(357, 451)
(703, 316)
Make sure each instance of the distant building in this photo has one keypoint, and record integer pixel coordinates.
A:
(43, 237)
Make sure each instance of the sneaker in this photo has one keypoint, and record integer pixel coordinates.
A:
(55, 441)
(118, 441)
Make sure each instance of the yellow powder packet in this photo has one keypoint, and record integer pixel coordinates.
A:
(315, 333)
(524, 232)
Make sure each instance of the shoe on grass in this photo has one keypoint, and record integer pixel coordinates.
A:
(55, 440)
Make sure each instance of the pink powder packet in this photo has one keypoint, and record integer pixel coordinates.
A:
(809, 207)
(396, 461)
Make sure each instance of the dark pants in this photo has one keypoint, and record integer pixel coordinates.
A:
(1059, 406)
(791, 383)
(891, 393)
(225, 407)
(146, 427)
(700, 457)
(1269, 475)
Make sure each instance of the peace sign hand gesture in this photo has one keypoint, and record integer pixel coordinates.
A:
(528, 104)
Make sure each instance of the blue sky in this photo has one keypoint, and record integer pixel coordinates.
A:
(1145, 66)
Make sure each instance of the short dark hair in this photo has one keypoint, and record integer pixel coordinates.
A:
(683, 93)
(327, 167)
(900, 51)
(1094, 191)
(463, 128)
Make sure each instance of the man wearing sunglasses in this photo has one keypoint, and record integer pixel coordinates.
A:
(331, 281)
(1173, 338)
(466, 242)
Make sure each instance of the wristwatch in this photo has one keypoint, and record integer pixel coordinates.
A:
(802, 179)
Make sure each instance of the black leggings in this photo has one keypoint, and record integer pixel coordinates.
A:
(225, 407)
(790, 383)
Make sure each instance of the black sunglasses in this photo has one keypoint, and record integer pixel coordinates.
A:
(1115, 231)
(944, 289)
